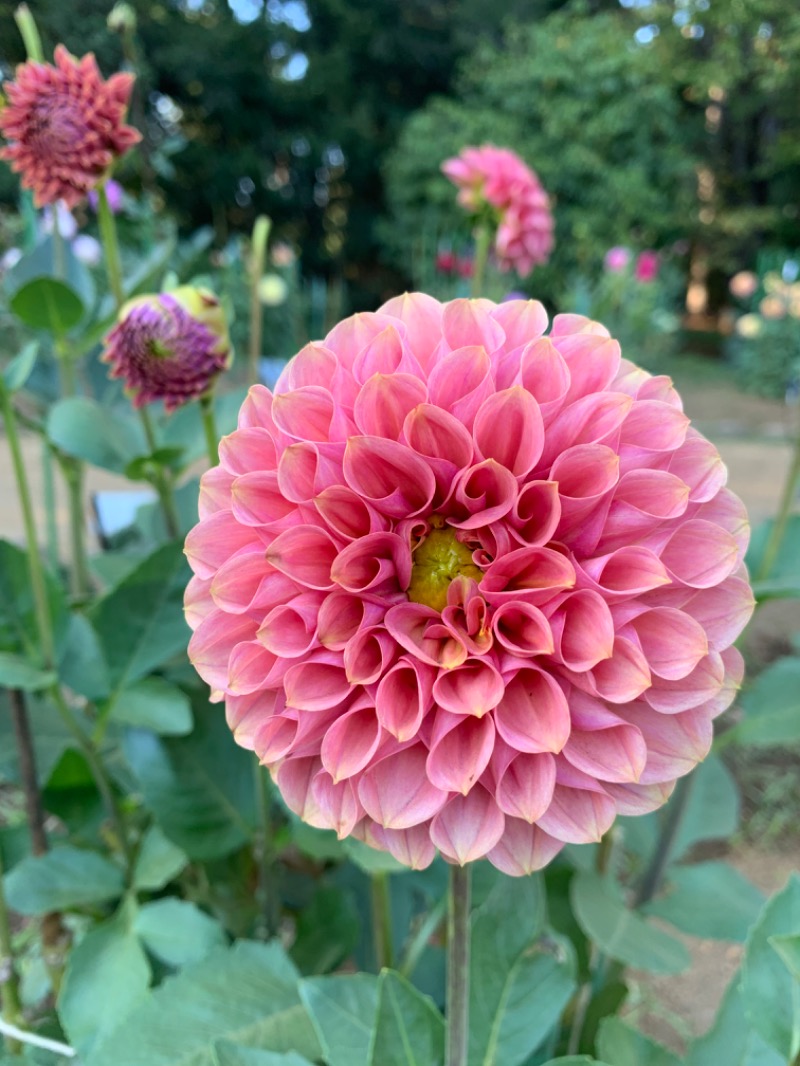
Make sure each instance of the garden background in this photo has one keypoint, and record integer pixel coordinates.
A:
(668, 130)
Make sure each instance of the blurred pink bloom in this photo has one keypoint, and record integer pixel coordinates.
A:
(465, 267)
(743, 285)
(647, 264)
(446, 262)
(169, 347)
(65, 126)
(466, 586)
(498, 178)
(115, 195)
(616, 259)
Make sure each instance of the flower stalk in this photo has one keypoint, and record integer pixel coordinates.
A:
(258, 254)
(382, 919)
(210, 428)
(458, 962)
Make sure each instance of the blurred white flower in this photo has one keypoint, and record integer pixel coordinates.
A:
(87, 249)
(272, 290)
(67, 226)
(10, 258)
(748, 326)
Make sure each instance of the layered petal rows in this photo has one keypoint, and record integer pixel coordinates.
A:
(467, 586)
(495, 182)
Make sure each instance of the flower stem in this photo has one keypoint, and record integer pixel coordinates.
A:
(161, 482)
(268, 917)
(483, 241)
(778, 529)
(651, 881)
(210, 428)
(258, 253)
(51, 526)
(382, 919)
(458, 953)
(29, 33)
(108, 235)
(9, 981)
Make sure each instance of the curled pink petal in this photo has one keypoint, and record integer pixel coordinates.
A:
(468, 827)
(388, 475)
(523, 848)
(533, 715)
(475, 687)
(404, 696)
(461, 746)
(396, 791)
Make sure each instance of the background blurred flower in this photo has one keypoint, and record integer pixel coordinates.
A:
(647, 264)
(67, 226)
(282, 254)
(115, 195)
(87, 249)
(617, 259)
(467, 587)
(445, 262)
(749, 325)
(65, 125)
(743, 285)
(772, 307)
(169, 347)
(498, 180)
(272, 290)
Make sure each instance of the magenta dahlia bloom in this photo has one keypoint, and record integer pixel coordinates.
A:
(66, 126)
(169, 347)
(495, 182)
(467, 586)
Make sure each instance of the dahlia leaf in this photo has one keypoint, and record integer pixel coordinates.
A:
(110, 967)
(246, 994)
(621, 1044)
(64, 878)
(199, 787)
(770, 989)
(83, 428)
(50, 739)
(409, 1030)
(158, 861)
(82, 666)
(731, 1040)
(771, 707)
(788, 947)
(510, 973)
(18, 672)
(576, 1060)
(620, 932)
(342, 1009)
(327, 931)
(46, 303)
(153, 703)
(226, 1054)
(18, 627)
(177, 932)
(17, 372)
(710, 899)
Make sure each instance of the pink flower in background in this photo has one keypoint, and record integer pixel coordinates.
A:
(617, 259)
(464, 585)
(743, 285)
(497, 179)
(647, 264)
(65, 126)
(169, 347)
(115, 195)
(446, 262)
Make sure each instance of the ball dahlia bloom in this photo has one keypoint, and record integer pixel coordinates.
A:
(65, 126)
(495, 182)
(469, 586)
(169, 347)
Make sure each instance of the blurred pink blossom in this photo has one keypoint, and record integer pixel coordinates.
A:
(647, 265)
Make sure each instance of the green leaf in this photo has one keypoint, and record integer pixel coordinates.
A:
(771, 993)
(327, 931)
(17, 372)
(140, 621)
(371, 860)
(82, 666)
(712, 810)
(576, 1060)
(108, 967)
(771, 706)
(620, 932)
(158, 862)
(731, 1041)
(47, 303)
(787, 562)
(625, 1046)
(788, 947)
(342, 1009)
(50, 739)
(246, 994)
(153, 703)
(226, 1054)
(711, 900)
(16, 672)
(85, 429)
(200, 787)
(409, 1030)
(178, 932)
(19, 632)
(65, 877)
(518, 989)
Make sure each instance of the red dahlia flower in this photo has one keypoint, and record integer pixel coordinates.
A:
(496, 180)
(466, 586)
(65, 126)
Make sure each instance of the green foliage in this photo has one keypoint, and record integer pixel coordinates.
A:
(65, 877)
(624, 1046)
(409, 1030)
(177, 932)
(342, 1009)
(710, 899)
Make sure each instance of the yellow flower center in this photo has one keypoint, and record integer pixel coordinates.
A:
(438, 560)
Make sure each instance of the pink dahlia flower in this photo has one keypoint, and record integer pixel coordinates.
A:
(169, 347)
(65, 126)
(647, 264)
(495, 180)
(617, 259)
(464, 585)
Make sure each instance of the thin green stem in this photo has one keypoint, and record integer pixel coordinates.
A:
(161, 482)
(41, 605)
(72, 470)
(382, 919)
(258, 253)
(266, 896)
(210, 428)
(458, 959)
(651, 881)
(9, 981)
(483, 242)
(108, 236)
(49, 494)
(29, 33)
(778, 530)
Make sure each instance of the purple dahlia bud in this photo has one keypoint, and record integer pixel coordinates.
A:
(169, 347)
